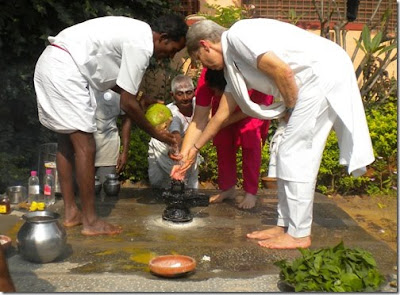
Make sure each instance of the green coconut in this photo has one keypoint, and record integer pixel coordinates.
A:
(159, 116)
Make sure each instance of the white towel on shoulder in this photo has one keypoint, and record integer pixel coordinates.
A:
(240, 93)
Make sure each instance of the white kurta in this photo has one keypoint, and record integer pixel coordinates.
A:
(322, 70)
(99, 53)
(107, 137)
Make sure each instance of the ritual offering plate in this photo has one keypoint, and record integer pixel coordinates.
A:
(172, 265)
(5, 241)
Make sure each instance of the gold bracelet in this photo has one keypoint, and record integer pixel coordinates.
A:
(196, 147)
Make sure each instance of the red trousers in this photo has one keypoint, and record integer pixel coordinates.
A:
(248, 133)
(251, 164)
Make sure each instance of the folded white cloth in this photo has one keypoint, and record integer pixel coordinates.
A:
(240, 92)
(273, 148)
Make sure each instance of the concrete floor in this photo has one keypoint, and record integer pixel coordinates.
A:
(226, 260)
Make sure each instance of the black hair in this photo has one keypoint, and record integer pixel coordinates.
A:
(173, 25)
(215, 79)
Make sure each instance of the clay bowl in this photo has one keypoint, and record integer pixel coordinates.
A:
(172, 265)
(269, 183)
(5, 242)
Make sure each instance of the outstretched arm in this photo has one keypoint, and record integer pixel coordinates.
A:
(225, 110)
(196, 127)
(235, 117)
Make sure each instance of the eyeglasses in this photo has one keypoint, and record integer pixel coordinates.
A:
(182, 93)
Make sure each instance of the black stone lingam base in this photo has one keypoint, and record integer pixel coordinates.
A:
(175, 214)
(179, 201)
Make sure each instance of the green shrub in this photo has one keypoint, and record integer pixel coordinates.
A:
(137, 165)
(225, 16)
(382, 122)
(209, 168)
(382, 173)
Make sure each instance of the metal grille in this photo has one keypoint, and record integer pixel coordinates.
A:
(279, 9)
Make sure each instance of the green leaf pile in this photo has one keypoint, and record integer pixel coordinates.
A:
(335, 269)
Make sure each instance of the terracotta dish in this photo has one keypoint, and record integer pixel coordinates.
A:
(172, 265)
(5, 242)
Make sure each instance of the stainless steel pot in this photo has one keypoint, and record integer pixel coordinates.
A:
(41, 238)
(112, 185)
(17, 194)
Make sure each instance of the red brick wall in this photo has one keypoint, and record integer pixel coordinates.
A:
(278, 9)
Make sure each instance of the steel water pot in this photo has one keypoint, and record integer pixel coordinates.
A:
(17, 194)
(112, 185)
(41, 238)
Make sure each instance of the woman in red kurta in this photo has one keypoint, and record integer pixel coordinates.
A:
(247, 132)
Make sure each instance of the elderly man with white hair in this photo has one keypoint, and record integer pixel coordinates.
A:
(182, 108)
(314, 82)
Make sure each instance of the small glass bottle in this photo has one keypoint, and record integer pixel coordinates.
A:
(33, 188)
(48, 188)
(5, 207)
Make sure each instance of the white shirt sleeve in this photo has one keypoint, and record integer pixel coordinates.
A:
(134, 63)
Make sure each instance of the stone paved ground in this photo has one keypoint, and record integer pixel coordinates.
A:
(226, 260)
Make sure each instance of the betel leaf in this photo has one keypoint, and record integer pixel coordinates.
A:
(318, 262)
(351, 280)
(339, 246)
(300, 276)
(334, 269)
(369, 259)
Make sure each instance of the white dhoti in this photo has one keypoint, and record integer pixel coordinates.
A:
(295, 206)
(64, 102)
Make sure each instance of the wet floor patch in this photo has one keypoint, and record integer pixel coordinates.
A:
(215, 238)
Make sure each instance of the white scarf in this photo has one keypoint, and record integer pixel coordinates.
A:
(240, 93)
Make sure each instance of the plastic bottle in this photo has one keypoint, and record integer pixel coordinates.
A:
(5, 207)
(49, 188)
(33, 188)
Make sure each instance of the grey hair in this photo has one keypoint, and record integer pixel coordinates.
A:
(203, 30)
(181, 81)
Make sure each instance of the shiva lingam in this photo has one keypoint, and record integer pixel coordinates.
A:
(179, 201)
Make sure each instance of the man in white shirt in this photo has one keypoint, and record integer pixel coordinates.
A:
(182, 108)
(315, 79)
(109, 52)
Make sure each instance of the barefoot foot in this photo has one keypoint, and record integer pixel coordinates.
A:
(72, 220)
(100, 227)
(219, 198)
(286, 241)
(267, 233)
(249, 202)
